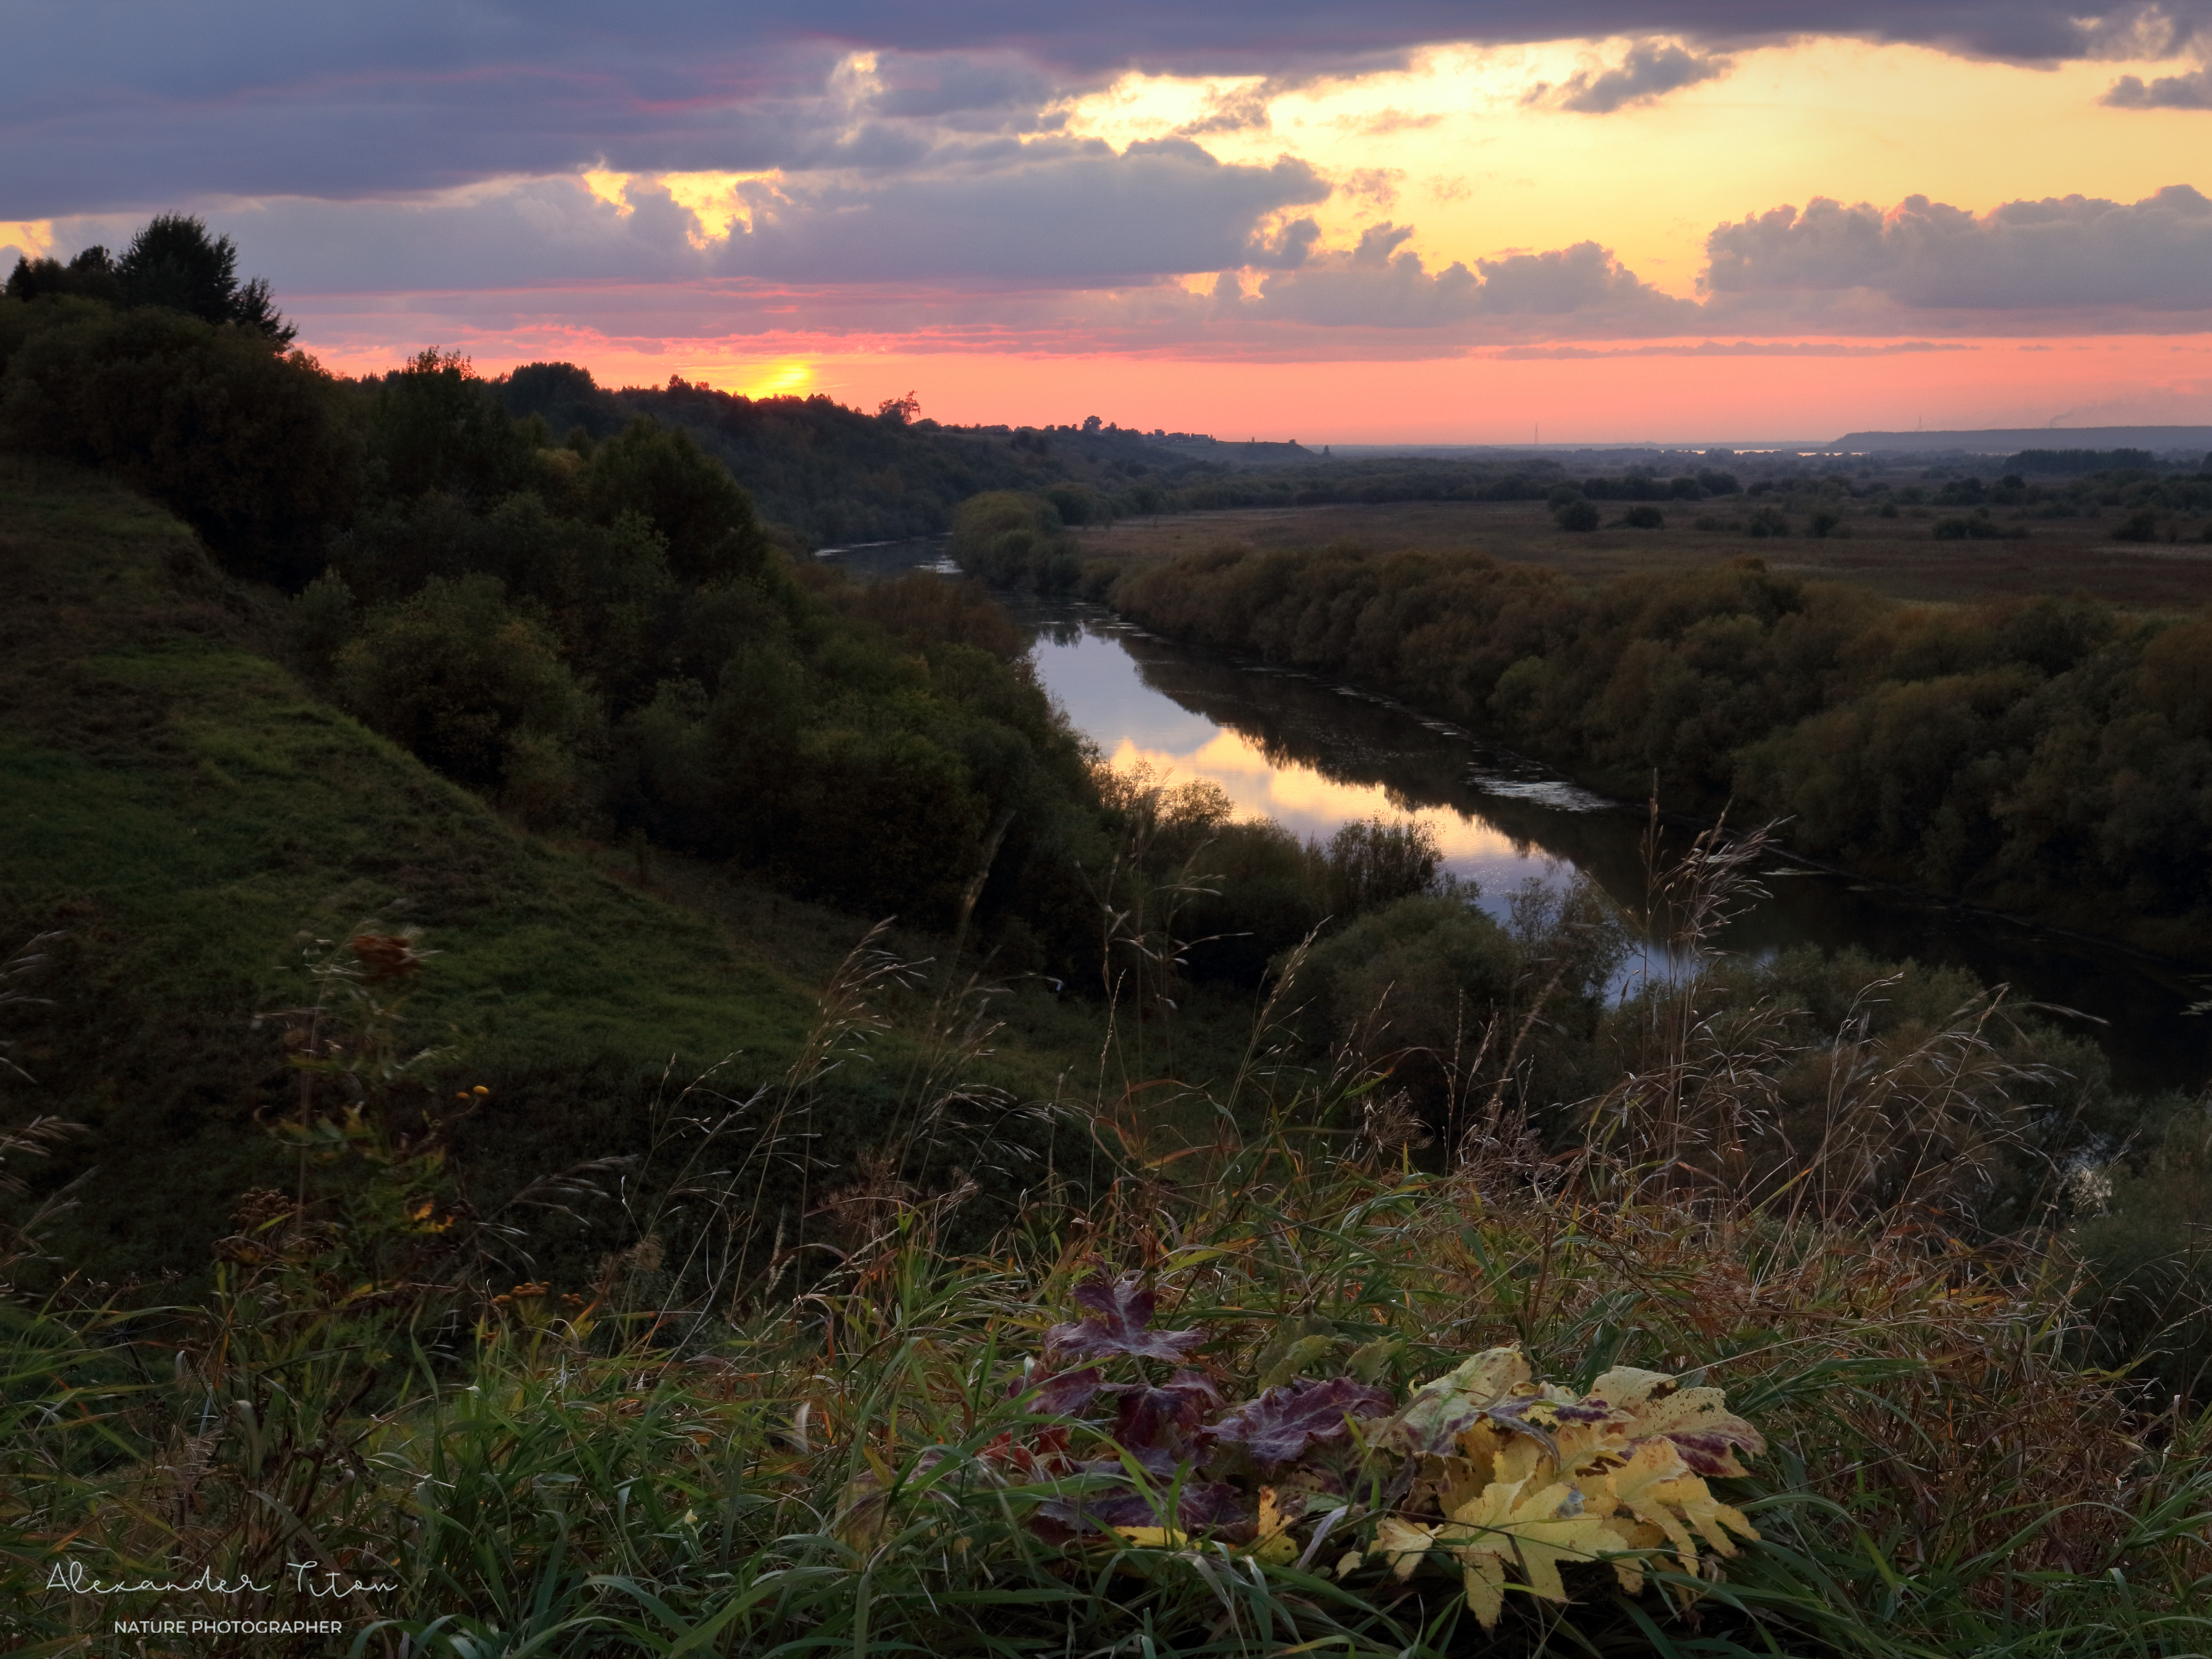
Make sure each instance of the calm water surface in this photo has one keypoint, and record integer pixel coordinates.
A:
(1315, 756)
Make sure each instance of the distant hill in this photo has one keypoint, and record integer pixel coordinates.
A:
(2006, 440)
(836, 475)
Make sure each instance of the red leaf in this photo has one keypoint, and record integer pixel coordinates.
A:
(1282, 1423)
(1119, 1310)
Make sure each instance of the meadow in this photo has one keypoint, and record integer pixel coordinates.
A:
(1898, 557)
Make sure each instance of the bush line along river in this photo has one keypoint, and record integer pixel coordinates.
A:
(1314, 756)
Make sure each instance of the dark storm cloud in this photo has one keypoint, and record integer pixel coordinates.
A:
(116, 103)
(1061, 214)
(2061, 252)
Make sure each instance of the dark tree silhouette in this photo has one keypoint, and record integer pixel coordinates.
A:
(174, 262)
(171, 261)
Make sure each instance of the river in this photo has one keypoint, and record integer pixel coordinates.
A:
(1315, 756)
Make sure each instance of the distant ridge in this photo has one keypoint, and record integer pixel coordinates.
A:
(2007, 440)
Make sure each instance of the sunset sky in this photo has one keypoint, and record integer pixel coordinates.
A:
(1406, 220)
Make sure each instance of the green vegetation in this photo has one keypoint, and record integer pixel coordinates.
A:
(183, 808)
(2046, 756)
(1223, 1406)
(509, 1228)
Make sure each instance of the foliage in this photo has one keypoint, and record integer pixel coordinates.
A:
(2025, 755)
(1268, 1390)
(249, 447)
(462, 681)
(171, 261)
(1015, 540)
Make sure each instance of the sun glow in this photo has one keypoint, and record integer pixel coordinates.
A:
(718, 203)
(786, 377)
(33, 238)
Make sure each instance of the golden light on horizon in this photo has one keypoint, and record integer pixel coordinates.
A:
(787, 377)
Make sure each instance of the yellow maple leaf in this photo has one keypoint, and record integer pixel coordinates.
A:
(1402, 1544)
(1153, 1538)
(1660, 1490)
(1655, 1404)
(1626, 1386)
(1273, 1543)
(1536, 1533)
(1637, 1486)
(1440, 1409)
(1713, 1519)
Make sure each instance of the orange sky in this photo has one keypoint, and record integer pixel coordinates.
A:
(1469, 152)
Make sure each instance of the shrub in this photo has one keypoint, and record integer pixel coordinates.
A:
(246, 445)
(1959, 527)
(1014, 540)
(476, 690)
(1578, 514)
(2139, 525)
(1766, 521)
(1644, 518)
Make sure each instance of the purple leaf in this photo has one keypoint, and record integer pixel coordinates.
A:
(1067, 1394)
(1119, 1310)
(1281, 1423)
(1200, 1506)
(1712, 1451)
(1169, 1414)
(1157, 1462)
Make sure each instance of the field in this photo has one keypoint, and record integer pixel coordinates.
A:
(1897, 556)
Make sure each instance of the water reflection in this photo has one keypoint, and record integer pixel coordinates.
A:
(1315, 756)
(1143, 704)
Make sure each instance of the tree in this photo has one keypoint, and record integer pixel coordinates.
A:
(899, 412)
(660, 473)
(90, 276)
(246, 446)
(173, 262)
(436, 426)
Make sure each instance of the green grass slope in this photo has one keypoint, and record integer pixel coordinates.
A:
(173, 801)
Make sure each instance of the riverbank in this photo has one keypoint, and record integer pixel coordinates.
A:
(1294, 747)
(2044, 757)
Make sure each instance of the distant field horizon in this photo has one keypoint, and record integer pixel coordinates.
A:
(1988, 441)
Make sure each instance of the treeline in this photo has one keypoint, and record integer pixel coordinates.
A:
(833, 475)
(2048, 756)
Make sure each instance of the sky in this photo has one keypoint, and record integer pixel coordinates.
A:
(1406, 221)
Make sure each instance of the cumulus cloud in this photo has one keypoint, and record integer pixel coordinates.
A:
(2190, 91)
(2071, 252)
(1380, 283)
(1163, 206)
(1058, 212)
(1648, 72)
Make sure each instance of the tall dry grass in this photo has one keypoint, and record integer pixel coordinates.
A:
(790, 1417)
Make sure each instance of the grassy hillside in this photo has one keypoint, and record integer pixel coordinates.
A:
(185, 813)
